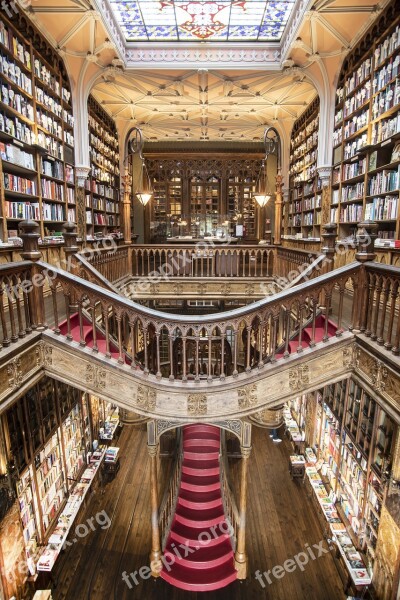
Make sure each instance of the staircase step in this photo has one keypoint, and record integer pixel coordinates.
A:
(200, 443)
(195, 537)
(210, 430)
(200, 467)
(201, 454)
(199, 499)
(201, 483)
(199, 517)
(202, 558)
(201, 580)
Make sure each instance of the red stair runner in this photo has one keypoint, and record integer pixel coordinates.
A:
(88, 336)
(199, 554)
(307, 335)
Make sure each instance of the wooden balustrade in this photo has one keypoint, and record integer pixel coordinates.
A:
(289, 260)
(203, 260)
(113, 262)
(168, 503)
(206, 347)
(230, 506)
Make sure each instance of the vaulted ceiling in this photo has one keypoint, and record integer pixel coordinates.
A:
(218, 91)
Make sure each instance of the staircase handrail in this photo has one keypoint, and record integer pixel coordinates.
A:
(170, 498)
(200, 320)
(230, 507)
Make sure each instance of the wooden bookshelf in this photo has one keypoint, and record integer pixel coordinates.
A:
(36, 132)
(366, 151)
(356, 441)
(302, 216)
(102, 187)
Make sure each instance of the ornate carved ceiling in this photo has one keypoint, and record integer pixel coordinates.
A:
(219, 91)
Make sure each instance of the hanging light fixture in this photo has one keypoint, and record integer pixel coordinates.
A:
(144, 189)
(261, 195)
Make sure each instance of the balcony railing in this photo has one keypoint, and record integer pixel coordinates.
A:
(362, 297)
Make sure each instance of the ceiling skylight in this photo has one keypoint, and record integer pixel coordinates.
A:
(196, 21)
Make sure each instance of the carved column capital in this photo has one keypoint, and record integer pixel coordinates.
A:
(82, 173)
(324, 173)
(152, 450)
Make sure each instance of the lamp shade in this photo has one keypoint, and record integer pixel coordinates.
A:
(262, 199)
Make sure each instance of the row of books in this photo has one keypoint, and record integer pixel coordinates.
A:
(353, 169)
(100, 189)
(14, 73)
(384, 129)
(14, 45)
(384, 181)
(16, 128)
(17, 156)
(352, 192)
(52, 190)
(14, 183)
(382, 209)
(31, 210)
(17, 101)
(358, 76)
(356, 123)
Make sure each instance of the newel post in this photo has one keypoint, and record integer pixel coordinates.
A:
(155, 554)
(366, 236)
(70, 235)
(30, 234)
(329, 237)
(240, 554)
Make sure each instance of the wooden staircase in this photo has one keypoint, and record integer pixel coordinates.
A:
(198, 553)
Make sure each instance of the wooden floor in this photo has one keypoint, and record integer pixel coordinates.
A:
(280, 523)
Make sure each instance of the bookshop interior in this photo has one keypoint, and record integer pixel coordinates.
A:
(199, 299)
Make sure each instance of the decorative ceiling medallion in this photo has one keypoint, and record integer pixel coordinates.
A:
(202, 20)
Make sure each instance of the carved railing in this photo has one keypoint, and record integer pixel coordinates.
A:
(199, 348)
(206, 347)
(228, 498)
(294, 261)
(203, 260)
(113, 263)
(17, 314)
(379, 315)
(168, 503)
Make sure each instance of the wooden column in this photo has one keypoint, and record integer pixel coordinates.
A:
(30, 236)
(278, 208)
(240, 554)
(155, 554)
(329, 239)
(366, 236)
(126, 206)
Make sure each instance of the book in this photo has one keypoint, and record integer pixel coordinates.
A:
(395, 153)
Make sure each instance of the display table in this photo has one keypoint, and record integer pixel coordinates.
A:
(111, 461)
(297, 466)
(66, 519)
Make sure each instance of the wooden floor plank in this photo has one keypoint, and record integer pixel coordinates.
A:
(280, 522)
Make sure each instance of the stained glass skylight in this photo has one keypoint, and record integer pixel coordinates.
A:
(191, 21)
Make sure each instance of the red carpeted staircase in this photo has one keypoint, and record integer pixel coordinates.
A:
(307, 335)
(88, 336)
(198, 555)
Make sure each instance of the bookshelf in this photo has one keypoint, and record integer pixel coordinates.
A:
(303, 211)
(36, 133)
(356, 440)
(102, 193)
(366, 151)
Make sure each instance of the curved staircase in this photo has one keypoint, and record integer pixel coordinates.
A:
(199, 554)
(88, 336)
(307, 335)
